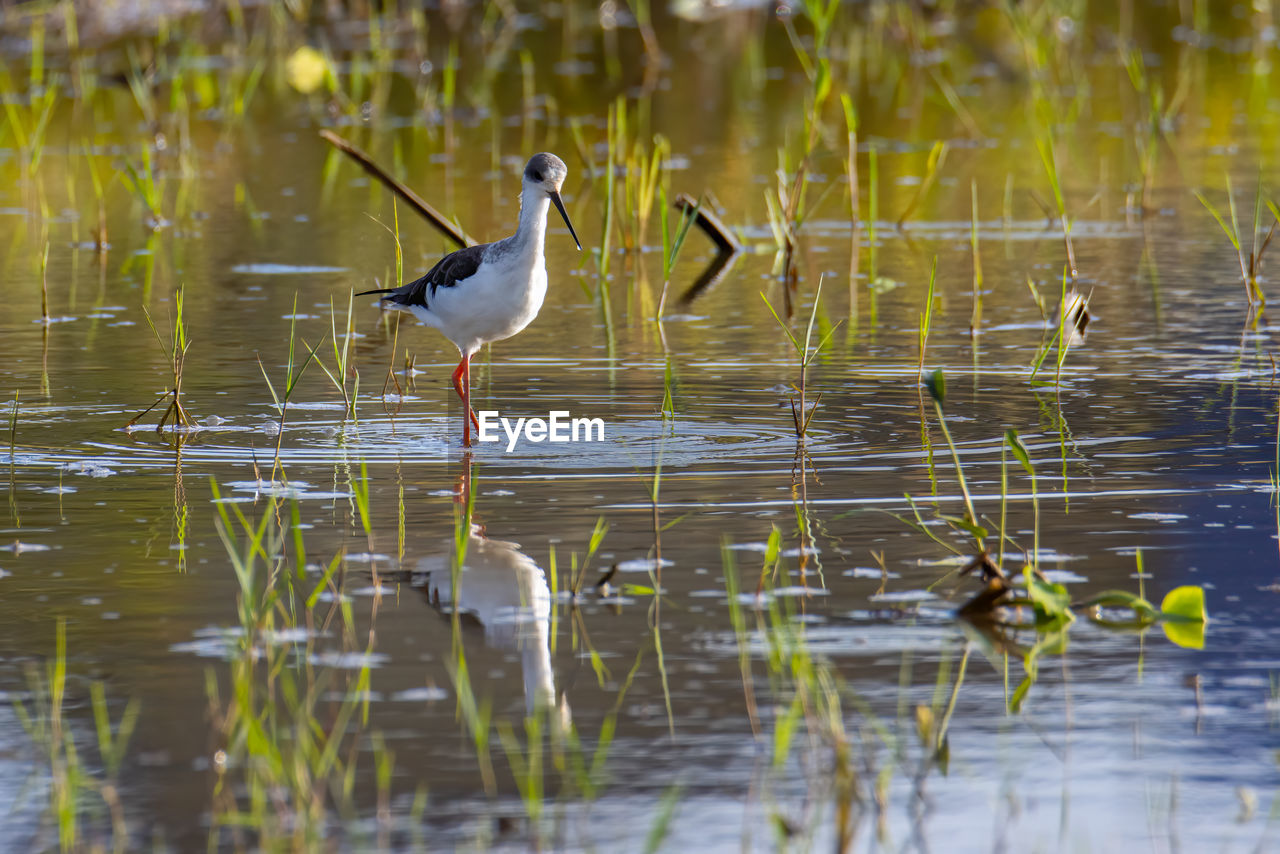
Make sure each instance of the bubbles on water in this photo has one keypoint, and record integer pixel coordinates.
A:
(89, 468)
(904, 596)
(367, 557)
(349, 660)
(869, 572)
(18, 547)
(425, 694)
(643, 564)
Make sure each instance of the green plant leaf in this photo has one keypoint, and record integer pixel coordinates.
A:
(966, 526)
(1185, 616)
(1232, 234)
(790, 335)
(1018, 449)
(1184, 605)
(1020, 693)
(937, 385)
(1052, 601)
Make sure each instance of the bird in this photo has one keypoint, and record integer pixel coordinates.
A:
(490, 291)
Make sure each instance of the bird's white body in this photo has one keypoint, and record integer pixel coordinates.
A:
(505, 293)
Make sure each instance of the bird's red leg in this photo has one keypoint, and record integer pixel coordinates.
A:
(471, 412)
(461, 384)
(457, 377)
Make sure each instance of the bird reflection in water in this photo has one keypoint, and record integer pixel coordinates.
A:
(505, 591)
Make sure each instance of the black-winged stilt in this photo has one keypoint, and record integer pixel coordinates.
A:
(491, 291)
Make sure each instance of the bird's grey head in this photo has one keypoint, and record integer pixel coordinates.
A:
(546, 170)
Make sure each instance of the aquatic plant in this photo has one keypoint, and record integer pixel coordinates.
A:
(176, 350)
(801, 412)
(1250, 262)
(975, 319)
(671, 246)
(344, 371)
(597, 536)
(932, 168)
(148, 187)
(926, 323)
(292, 374)
(1069, 328)
(29, 123)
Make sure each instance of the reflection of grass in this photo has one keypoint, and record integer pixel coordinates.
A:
(70, 781)
(288, 755)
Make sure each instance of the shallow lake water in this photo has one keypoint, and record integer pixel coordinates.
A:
(1155, 441)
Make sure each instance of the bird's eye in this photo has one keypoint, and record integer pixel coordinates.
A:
(537, 176)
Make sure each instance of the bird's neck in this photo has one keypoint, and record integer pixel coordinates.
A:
(531, 233)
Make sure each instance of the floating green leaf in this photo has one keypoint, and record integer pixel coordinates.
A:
(937, 385)
(1184, 604)
(1185, 616)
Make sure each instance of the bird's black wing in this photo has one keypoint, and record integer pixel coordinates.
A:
(450, 270)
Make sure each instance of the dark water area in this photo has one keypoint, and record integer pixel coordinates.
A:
(1155, 441)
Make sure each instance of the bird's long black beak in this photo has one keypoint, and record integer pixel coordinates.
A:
(555, 199)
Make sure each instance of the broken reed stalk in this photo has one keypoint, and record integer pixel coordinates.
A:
(728, 247)
(711, 226)
(429, 213)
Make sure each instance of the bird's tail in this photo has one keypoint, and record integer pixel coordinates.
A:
(375, 291)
